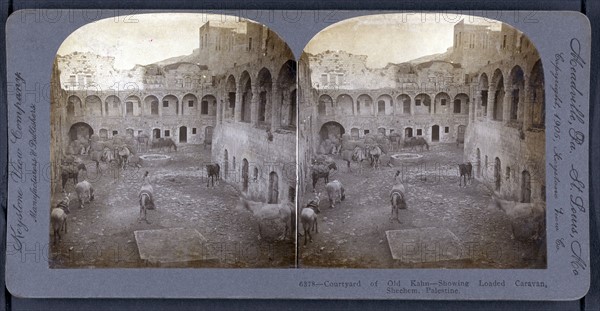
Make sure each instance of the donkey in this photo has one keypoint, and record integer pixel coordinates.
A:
(146, 198)
(319, 171)
(58, 216)
(212, 171)
(142, 141)
(374, 153)
(335, 192)
(85, 192)
(123, 153)
(397, 198)
(465, 172)
(71, 171)
(308, 217)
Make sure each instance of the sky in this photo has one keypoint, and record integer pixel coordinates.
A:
(145, 40)
(385, 38)
(391, 38)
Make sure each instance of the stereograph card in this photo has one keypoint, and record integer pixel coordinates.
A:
(298, 154)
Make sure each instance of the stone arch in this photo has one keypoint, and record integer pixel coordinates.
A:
(273, 194)
(129, 132)
(208, 105)
(151, 106)
(483, 94)
(408, 132)
(364, 105)
(285, 96)
(231, 89)
(190, 105)
(422, 104)
(385, 104)
(265, 95)
(435, 133)
(516, 86)
(331, 129)
(112, 106)
(93, 106)
(461, 104)
(170, 105)
(403, 104)
(183, 134)
(246, 101)
(536, 97)
(345, 103)
(74, 106)
(381, 130)
(498, 100)
(80, 130)
(355, 133)
(103, 133)
(325, 106)
(442, 102)
(133, 106)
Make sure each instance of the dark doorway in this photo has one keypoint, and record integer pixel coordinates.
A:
(408, 132)
(525, 187)
(156, 133)
(273, 188)
(435, 133)
(183, 134)
(245, 174)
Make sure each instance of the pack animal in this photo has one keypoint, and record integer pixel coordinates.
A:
(335, 192)
(414, 142)
(358, 155)
(465, 172)
(146, 198)
(213, 171)
(319, 171)
(309, 219)
(106, 156)
(122, 154)
(71, 171)
(85, 192)
(58, 217)
(397, 198)
(374, 153)
(164, 143)
(263, 211)
(142, 142)
(528, 220)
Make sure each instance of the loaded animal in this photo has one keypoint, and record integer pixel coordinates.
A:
(142, 142)
(465, 172)
(213, 171)
(397, 198)
(146, 198)
(122, 154)
(319, 171)
(58, 217)
(281, 212)
(357, 155)
(374, 153)
(414, 142)
(335, 192)
(71, 171)
(85, 192)
(528, 220)
(164, 143)
(309, 219)
(106, 156)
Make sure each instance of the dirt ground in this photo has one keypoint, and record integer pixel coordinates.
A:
(352, 235)
(102, 233)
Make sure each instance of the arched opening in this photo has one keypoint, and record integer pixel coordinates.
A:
(103, 134)
(408, 132)
(422, 104)
(225, 163)
(133, 106)
(156, 133)
(129, 132)
(517, 84)
(497, 174)
(80, 131)
(461, 104)
(273, 194)
(435, 133)
(442, 101)
(354, 133)
(93, 106)
(285, 97)
(183, 134)
(403, 102)
(112, 106)
(229, 108)
(245, 174)
(478, 159)
(74, 107)
(525, 187)
(345, 103)
(151, 106)
(246, 87)
(460, 133)
(498, 82)
(363, 105)
(170, 105)
(208, 134)
(538, 102)
(483, 92)
(208, 106)
(325, 105)
(381, 130)
(265, 86)
(190, 102)
(330, 130)
(384, 104)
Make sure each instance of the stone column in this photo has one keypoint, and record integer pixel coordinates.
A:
(490, 103)
(255, 89)
(412, 106)
(476, 105)
(526, 106)
(238, 103)
(160, 107)
(276, 105)
(507, 103)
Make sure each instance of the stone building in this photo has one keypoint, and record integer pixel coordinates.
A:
(239, 83)
(487, 89)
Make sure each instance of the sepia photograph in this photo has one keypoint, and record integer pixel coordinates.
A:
(173, 144)
(421, 145)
